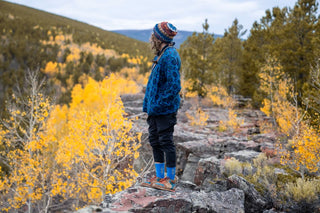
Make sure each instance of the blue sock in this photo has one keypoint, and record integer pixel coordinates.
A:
(171, 172)
(159, 170)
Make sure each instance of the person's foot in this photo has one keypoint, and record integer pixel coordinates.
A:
(165, 184)
(150, 182)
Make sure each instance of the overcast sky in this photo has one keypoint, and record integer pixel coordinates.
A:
(143, 14)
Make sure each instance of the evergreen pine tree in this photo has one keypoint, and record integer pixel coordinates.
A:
(298, 52)
(197, 60)
(265, 40)
(228, 53)
(286, 34)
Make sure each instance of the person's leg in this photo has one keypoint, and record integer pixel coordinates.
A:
(165, 127)
(158, 154)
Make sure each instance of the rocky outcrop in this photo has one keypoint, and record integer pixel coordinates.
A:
(184, 200)
(201, 153)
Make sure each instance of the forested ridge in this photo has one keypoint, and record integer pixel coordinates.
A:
(30, 39)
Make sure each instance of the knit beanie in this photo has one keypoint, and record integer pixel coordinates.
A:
(165, 31)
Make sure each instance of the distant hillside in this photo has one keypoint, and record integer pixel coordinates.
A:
(64, 50)
(144, 35)
(85, 32)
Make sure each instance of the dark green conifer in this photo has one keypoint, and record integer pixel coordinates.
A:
(198, 61)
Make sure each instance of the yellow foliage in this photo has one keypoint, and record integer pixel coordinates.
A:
(266, 107)
(302, 152)
(306, 150)
(233, 122)
(124, 86)
(83, 79)
(279, 90)
(102, 71)
(186, 88)
(98, 139)
(51, 68)
(124, 55)
(74, 56)
(220, 97)
(197, 117)
(134, 75)
(70, 82)
(81, 152)
(65, 42)
(136, 60)
(28, 164)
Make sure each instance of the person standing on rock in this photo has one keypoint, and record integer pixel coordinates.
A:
(161, 103)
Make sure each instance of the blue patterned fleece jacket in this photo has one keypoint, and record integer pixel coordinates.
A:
(162, 93)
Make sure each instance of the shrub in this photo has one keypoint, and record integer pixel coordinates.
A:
(303, 190)
(233, 122)
(232, 166)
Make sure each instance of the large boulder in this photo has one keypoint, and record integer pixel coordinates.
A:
(254, 202)
(207, 168)
(190, 168)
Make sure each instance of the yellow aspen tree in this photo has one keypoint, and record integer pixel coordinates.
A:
(269, 76)
(281, 101)
(302, 152)
(23, 150)
(97, 150)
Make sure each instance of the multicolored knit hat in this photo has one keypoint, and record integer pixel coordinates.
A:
(164, 31)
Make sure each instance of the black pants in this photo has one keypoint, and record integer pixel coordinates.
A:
(161, 129)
